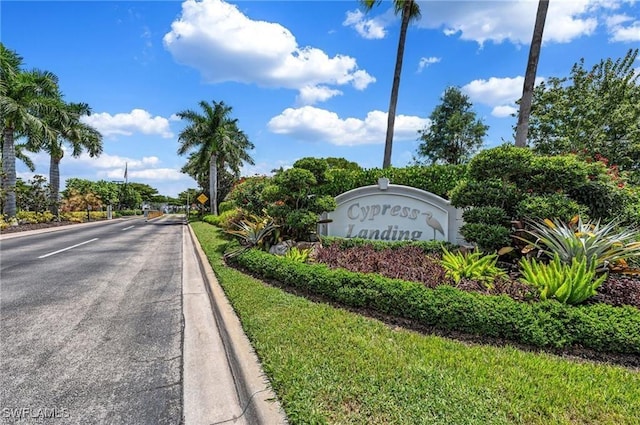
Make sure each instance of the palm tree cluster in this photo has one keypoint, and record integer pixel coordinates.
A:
(32, 110)
(214, 142)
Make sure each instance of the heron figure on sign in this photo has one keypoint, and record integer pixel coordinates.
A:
(434, 224)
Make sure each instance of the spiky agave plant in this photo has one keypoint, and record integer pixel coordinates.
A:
(606, 244)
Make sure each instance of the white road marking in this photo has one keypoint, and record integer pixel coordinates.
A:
(68, 248)
(127, 228)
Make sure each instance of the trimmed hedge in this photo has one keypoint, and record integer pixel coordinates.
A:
(542, 324)
(427, 247)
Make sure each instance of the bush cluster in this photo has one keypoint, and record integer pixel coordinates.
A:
(542, 324)
(427, 247)
(526, 186)
(437, 179)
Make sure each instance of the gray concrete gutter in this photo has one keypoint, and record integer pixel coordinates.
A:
(223, 379)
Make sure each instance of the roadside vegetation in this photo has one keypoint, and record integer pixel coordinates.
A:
(329, 365)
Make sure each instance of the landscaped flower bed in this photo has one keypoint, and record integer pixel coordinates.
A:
(599, 327)
(412, 264)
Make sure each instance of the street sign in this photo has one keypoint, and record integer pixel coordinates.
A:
(202, 198)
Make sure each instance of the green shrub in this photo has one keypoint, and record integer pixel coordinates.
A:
(428, 247)
(486, 215)
(551, 206)
(603, 198)
(317, 166)
(293, 203)
(550, 174)
(212, 219)
(542, 324)
(437, 179)
(472, 265)
(506, 163)
(487, 193)
(488, 237)
(247, 194)
(569, 284)
(226, 206)
(129, 212)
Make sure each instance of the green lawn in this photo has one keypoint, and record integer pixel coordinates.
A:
(328, 365)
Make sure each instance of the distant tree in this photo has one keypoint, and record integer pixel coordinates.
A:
(188, 196)
(217, 142)
(455, 133)
(592, 112)
(32, 195)
(343, 163)
(146, 192)
(522, 128)
(80, 185)
(409, 11)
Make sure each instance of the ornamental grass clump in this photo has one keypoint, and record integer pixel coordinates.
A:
(252, 232)
(473, 265)
(592, 241)
(569, 284)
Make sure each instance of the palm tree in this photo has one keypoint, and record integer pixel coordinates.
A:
(522, 129)
(78, 135)
(409, 10)
(25, 96)
(214, 140)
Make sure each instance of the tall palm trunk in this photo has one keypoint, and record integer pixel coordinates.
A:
(522, 129)
(213, 183)
(9, 173)
(54, 183)
(393, 103)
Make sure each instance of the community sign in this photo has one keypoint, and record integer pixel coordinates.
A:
(389, 212)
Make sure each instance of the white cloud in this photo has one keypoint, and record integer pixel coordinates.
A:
(313, 94)
(620, 32)
(425, 62)
(367, 28)
(513, 21)
(136, 121)
(502, 111)
(499, 93)
(156, 174)
(262, 53)
(314, 124)
(494, 91)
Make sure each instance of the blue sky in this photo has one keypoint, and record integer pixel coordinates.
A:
(304, 78)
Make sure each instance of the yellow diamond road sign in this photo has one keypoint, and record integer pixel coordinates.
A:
(202, 198)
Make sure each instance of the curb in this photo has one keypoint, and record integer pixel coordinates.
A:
(259, 402)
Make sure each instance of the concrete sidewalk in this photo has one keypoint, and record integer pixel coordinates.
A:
(223, 379)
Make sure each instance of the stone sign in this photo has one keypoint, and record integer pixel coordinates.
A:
(391, 212)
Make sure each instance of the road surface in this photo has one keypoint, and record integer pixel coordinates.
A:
(91, 325)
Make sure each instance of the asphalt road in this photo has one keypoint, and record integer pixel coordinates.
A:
(91, 325)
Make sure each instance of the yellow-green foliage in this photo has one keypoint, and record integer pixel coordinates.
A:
(569, 284)
(298, 255)
(32, 217)
(81, 216)
(473, 265)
